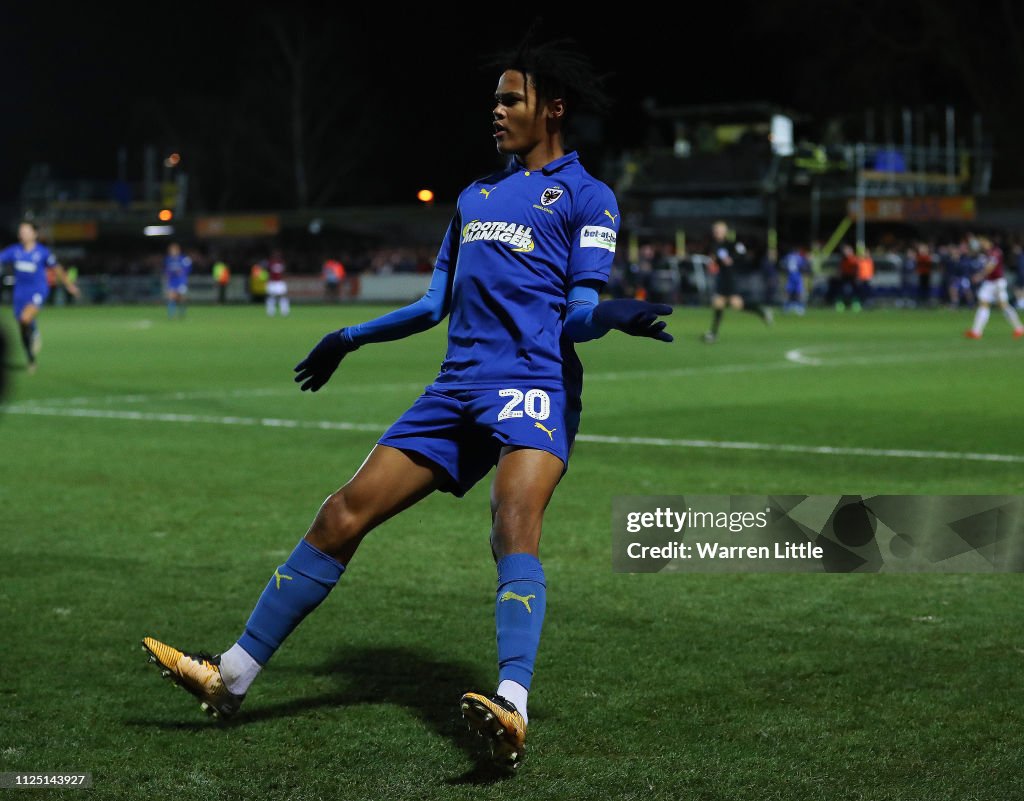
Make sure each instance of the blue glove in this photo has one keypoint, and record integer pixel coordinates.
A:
(637, 318)
(317, 368)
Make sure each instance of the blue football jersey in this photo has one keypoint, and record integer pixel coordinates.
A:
(520, 239)
(177, 269)
(29, 267)
(795, 263)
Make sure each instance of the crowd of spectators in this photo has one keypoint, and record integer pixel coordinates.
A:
(909, 274)
(132, 273)
(136, 261)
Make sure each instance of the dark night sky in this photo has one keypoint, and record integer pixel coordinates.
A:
(76, 88)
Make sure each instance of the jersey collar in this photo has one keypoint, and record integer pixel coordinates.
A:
(550, 168)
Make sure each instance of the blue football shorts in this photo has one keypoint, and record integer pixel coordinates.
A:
(463, 430)
(35, 297)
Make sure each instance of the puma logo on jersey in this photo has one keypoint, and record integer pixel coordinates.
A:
(487, 192)
(612, 217)
(278, 576)
(548, 431)
(523, 599)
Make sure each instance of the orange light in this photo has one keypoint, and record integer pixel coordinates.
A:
(425, 195)
(165, 215)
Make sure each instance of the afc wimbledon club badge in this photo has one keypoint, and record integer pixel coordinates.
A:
(551, 194)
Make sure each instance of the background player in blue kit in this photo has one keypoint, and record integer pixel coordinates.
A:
(31, 260)
(795, 265)
(518, 272)
(177, 269)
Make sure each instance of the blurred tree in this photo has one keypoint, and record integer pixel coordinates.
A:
(309, 90)
(289, 135)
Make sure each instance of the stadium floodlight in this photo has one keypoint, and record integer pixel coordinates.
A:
(425, 196)
(782, 135)
(165, 215)
(158, 230)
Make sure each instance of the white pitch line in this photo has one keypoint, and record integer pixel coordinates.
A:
(210, 394)
(794, 359)
(824, 450)
(798, 356)
(167, 417)
(677, 372)
(660, 442)
(166, 396)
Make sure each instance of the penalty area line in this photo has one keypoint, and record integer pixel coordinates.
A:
(657, 442)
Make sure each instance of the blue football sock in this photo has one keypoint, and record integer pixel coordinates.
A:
(519, 616)
(172, 308)
(295, 590)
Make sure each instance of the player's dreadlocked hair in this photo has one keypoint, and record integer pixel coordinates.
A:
(557, 69)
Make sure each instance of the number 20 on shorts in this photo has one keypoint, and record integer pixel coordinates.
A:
(536, 403)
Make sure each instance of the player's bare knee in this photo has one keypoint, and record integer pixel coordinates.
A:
(337, 523)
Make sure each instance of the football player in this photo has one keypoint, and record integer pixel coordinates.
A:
(31, 261)
(518, 274)
(177, 268)
(992, 289)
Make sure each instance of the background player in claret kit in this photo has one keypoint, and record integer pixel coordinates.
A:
(277, 289)
(519, 272)
(177, 269)
(992, 289)
(724, 254)
(31, 288)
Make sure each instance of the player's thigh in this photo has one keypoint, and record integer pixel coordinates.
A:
(987, 293)
(389, 481)
(28, 313)
(736, 302)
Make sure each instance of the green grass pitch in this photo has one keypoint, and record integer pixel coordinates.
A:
(154, 473)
